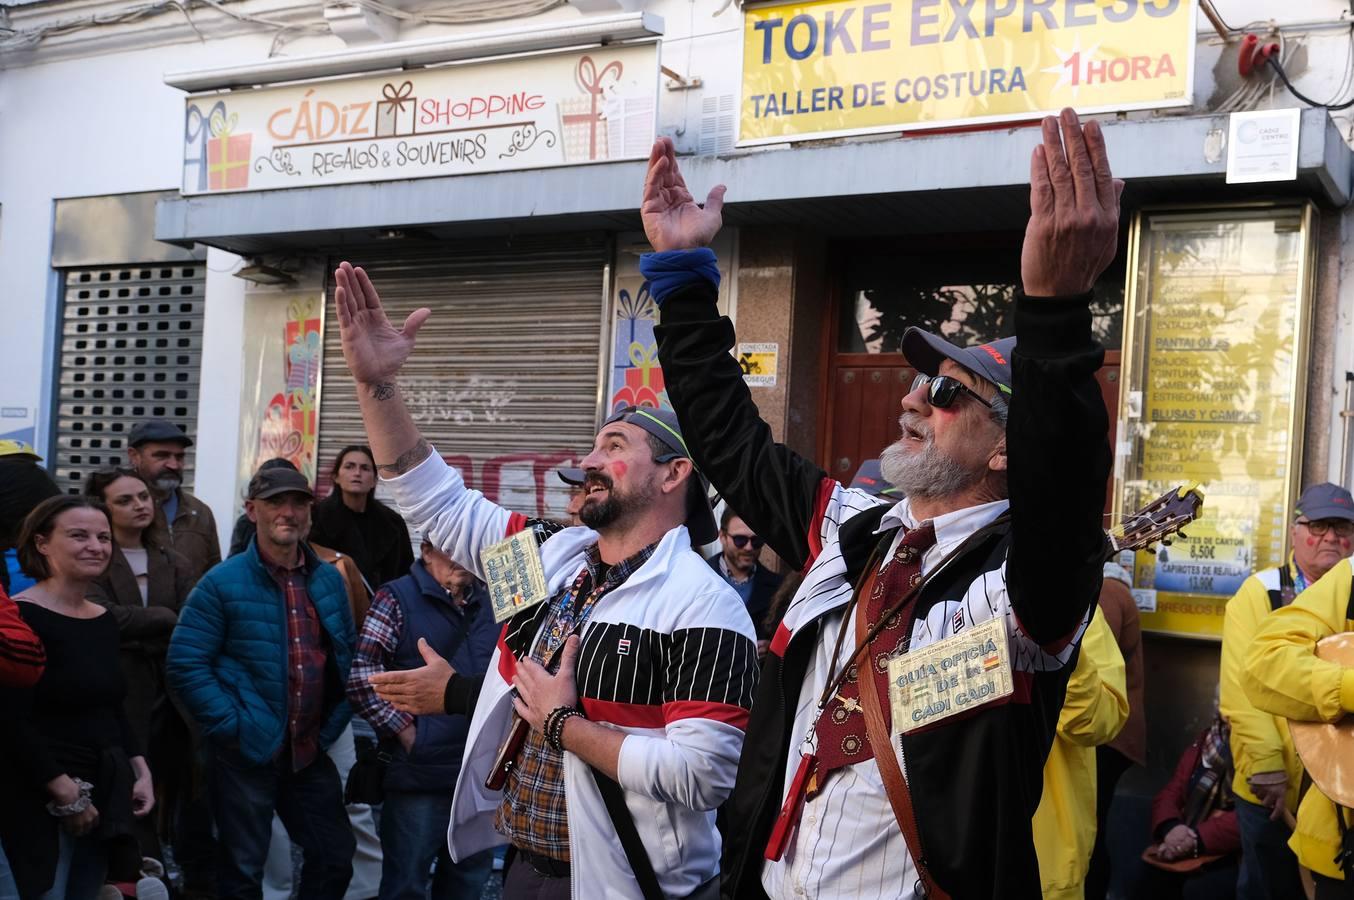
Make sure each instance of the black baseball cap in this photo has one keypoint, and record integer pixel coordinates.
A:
(870, 479)
(156, 430)
(277, 480)
(662, 424)
(1325, 501)
(992, 360)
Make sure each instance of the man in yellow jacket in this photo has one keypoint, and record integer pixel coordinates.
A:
(1268, 772)
(1094, 711)
(1283, 676)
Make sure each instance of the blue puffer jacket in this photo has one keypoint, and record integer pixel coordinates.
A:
(228, 656)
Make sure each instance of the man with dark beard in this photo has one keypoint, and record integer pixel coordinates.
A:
(183, 523)
(633, 671)
(897, 743)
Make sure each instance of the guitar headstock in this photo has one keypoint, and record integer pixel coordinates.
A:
(1159, 520)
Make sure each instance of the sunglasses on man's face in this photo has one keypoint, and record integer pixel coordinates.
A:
(742, 540)
(941, 390)
(1319, 527)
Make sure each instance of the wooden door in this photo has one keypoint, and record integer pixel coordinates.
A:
(865, 400)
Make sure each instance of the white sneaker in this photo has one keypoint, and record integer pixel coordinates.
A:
(151, 889)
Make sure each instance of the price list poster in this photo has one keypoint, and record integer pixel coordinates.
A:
(1217, 329)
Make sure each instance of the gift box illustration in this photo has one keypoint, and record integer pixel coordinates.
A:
(395, 114)
(636, 378)
(227, 153)
(196, 137)
(581, 118)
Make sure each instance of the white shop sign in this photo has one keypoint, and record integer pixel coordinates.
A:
(522, 113)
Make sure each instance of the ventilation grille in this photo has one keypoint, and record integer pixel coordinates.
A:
(717, 124)
(131, 349)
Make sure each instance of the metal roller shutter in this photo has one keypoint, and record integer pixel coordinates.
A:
(505, 381)
(131, 349)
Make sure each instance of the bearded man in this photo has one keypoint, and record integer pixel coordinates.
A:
(866, 781)
(183, 523)
(635, 675)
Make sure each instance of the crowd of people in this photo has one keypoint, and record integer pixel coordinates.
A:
(627, 717)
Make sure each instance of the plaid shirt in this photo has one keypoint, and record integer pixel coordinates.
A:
(306, 659)
(376, 645)
(533, 814)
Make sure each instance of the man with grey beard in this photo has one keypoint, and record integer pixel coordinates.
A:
(183, 523)
(898, 736)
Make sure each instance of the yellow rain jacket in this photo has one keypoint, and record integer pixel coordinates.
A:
(1283, 676)
(1093, 713)
(1260, 741)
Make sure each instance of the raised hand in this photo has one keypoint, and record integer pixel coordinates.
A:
(672, 218)
(373, 348)
(1074, 210)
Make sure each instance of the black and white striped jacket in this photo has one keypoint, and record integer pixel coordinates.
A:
(669, 657)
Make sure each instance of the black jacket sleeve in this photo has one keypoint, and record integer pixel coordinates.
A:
(462, 694)
(1058, 464)
(770, 486)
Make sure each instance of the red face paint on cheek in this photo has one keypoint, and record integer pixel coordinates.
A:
(620, 469)
(1344, 545)
(1311, 542)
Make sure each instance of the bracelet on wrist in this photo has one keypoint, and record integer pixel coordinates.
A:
(76, 806)
(554, 725)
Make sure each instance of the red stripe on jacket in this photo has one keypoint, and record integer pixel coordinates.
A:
(643, 715)
(507, 663)
(825, 489)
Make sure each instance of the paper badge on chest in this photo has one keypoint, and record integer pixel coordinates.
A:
(513, 571)
(951, 676)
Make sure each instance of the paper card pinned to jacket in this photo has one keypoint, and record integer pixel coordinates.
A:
(513, 571)
(949, 677)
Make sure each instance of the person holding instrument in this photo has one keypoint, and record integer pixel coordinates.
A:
(853, 785)
(609, 725)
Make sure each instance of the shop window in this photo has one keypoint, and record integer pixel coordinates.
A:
(967, 297)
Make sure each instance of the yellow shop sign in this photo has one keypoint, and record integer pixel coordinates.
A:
(835, 67)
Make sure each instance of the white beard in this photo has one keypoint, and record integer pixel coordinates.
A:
(926, 472)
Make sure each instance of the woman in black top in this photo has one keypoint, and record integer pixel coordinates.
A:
(351, 520)
(76, 777)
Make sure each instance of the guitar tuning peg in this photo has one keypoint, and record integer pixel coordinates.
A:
(1183, 536)
(1165, 542)
(1151, 550)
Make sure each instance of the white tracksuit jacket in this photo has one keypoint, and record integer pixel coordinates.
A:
(669, 658)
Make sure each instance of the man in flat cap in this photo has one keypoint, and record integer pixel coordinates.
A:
(260, 658)
(632, 663)
(896, 746)
(183, 523)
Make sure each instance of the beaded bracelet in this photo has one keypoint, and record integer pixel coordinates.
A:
(548, 726)
(77, 806)
(554, 725)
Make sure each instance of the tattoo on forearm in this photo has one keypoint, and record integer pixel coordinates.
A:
(406, 460)
(383, 390)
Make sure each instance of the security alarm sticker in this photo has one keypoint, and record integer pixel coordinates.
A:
(512, 569)
(951, 676)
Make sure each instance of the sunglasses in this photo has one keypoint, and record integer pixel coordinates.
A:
(742, 540)
(941, 390)
(1319, 527)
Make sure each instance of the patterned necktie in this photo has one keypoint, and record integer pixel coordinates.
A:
(840, 728)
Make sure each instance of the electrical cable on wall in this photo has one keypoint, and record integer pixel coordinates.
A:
(1283, 76)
